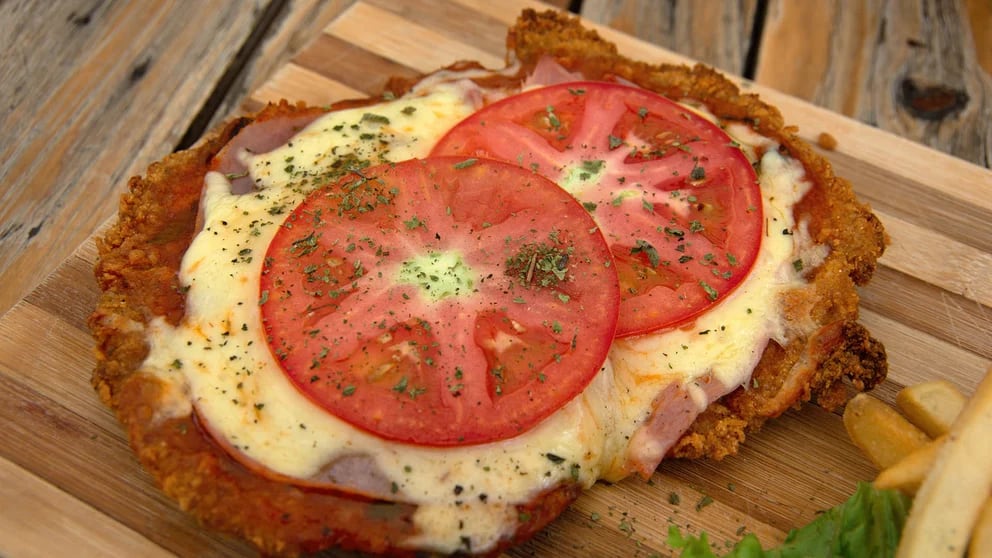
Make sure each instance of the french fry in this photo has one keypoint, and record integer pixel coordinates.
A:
(951, 497)
(932, 406)
(981, 536)
(880, 431)
(907, 474)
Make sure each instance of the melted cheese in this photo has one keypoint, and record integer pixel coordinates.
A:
(217, 359)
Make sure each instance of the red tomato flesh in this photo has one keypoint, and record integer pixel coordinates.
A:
(442, 301)
(677, 200)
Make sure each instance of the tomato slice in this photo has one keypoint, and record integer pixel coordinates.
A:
(441, 301)
(678, 202)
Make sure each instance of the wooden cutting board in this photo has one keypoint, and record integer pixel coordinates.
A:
(70, 485)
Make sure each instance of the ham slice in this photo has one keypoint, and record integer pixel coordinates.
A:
(271, 129)
(674, 410)
(261, 136)
(549, 72)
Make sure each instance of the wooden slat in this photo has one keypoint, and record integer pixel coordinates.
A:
(929, 309)
(715, 32)
(954, 267)
(120, 65)
(56, 428)
(915, 356)
(351, 65)
(49, 522)
(807, 60)
(407, 38)
(104, 63)
(300, 21)
(980, 17)
(907, 67)
(295, 83)
(458, 22)
(929, 303)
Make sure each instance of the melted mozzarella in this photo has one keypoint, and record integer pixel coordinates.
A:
(217, 360)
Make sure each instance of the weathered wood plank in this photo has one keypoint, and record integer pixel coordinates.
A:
(910, 68)
(980, 16)
(73, 72)
(715, 32)
(297, 25)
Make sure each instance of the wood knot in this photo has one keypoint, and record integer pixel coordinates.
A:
(931, 102)
(80, 20)
(140, 70)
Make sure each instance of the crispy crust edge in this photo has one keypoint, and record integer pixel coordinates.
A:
(140, 255)
(829, 354)
(137, 272)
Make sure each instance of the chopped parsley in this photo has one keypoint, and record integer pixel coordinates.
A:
(643, 246)
(553, 118)
(711, 293)
(539, 264)
(414, 222)
(375, 118)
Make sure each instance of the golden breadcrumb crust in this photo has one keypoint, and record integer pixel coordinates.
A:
(137, 271)
(140, 257)
(828, 350)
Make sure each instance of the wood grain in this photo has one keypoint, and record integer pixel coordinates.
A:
(980, 17)
(103, 64)
(929, 303)
(58, 524)
(298, 24)
(908, 67)
(56, 429)
(74, 70)
(921, 69)
(715, 32)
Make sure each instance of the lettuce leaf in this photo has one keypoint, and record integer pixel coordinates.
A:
(867, 525)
